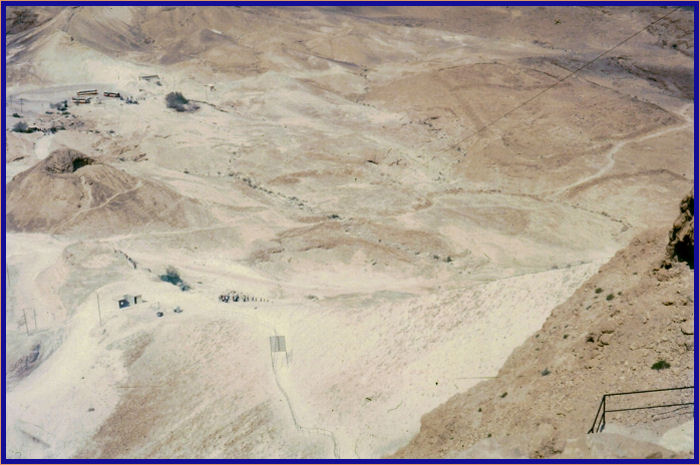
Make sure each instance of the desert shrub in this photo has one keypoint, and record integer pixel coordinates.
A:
(610, 297)
(16, 115)
(178, 102)
(21, 126)
(598, 290)
(172, 276)
(661, 365)
(60, 106)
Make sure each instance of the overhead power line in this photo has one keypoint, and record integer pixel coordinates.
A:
(560, 80)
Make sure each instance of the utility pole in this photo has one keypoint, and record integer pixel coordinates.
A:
(99, 312)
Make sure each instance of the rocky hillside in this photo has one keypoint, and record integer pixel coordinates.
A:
(630, 327)
(70, 191)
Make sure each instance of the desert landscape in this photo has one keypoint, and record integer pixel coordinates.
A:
(347, 232)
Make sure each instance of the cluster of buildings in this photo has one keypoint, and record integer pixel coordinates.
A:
(85, 96)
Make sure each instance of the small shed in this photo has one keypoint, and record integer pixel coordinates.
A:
(112, 94)
(81, 100)
(87, 92)
(128, 300)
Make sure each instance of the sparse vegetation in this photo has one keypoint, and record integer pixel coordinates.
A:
(661, 365)
(598, 290)
(610, 297)
(172, 276)
(16, 115)
(60, 106)
(178, 102)
(21, 126)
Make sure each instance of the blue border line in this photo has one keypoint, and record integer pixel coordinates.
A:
(342, 461)
(360, 3)
(3, 274)
(4, 249)
(696, 15)
(353, 461)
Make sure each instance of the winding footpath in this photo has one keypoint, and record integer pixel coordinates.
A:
(618, 146)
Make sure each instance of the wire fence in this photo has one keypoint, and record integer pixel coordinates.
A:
(657, 405)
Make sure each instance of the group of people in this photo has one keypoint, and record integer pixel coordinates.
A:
(234, 296)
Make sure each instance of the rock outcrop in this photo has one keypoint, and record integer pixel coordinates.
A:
(681, 243)
(70, 191)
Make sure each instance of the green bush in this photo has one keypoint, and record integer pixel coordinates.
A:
(172, 276)
(178, 102)
(661, 365)
(21, 126)
(60, 106)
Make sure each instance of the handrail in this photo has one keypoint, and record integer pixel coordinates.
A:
(599, 419)
(649, 390)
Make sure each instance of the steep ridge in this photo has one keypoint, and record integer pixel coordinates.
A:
(610, 336)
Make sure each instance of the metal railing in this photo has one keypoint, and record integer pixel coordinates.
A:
(599, 420)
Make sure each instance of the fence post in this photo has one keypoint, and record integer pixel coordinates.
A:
(595, 420)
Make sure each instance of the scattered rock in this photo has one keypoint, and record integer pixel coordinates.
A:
(687, 328)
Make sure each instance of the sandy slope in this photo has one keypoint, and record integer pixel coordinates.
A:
(336, 171)
(606, 338)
